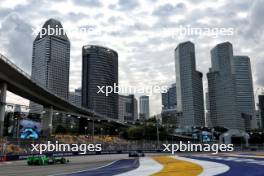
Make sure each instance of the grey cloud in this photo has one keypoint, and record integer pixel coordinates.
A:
(152, 63)
(140, 26)
(18, 36)
(90, 3)
(124, 5)
(91, 27)
(259, 71)
(4, 12)
(29, 10)
(31, 6)
(128, 30)
(99, 15)
(127, 4)
(237, 5)
(212, 14)
(73, 17)
(168, 9)
(149, 43)
(197, 2)
(256, 18)
(121, 33)
(114, 19)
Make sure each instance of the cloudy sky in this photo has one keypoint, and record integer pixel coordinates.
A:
(143, 32)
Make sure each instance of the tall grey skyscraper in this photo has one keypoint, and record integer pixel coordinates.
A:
(169, 100)
(51, 61)
(207, 110)
(189, 86)
(169, 112)
(258, 119)
(244, 90)
(222, 89)
(76, 97)
(128, 110)
(100, 68)
(144, 106)
(261, 108)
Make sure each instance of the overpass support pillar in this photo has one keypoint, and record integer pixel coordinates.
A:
(3, 87)
(47, 122)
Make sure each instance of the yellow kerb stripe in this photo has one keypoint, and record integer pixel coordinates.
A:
(174, 167)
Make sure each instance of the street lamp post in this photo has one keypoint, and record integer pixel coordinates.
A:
(85, 130)
(93, 130)
(158, 140)
(101, 131)
(93, 125)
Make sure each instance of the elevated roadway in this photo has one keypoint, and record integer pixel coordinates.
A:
(17, 81)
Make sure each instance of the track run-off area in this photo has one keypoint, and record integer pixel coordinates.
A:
(245, 164)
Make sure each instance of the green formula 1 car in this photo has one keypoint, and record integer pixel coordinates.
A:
(45, 160)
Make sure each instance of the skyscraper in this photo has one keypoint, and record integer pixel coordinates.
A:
(258, 119)
(51, 61)
(189, 86)
(207, 110)
(76, 97)
(261, 108)
(100, 68)
(128, 110)
(169, 113)
(169, 100)
(244, 90)
(224, 109)
(144, 107)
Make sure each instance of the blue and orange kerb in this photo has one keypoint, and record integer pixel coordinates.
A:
(172, 167)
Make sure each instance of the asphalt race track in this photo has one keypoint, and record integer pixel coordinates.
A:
(117, 167)
(185, 164)
(241, 166)
(20, 168)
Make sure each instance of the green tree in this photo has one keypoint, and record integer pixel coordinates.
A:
(135, 132)
(60, 129)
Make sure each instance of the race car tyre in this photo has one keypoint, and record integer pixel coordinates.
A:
(63, 161)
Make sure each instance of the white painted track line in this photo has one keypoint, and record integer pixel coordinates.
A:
(209, 168)
(147, 167)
